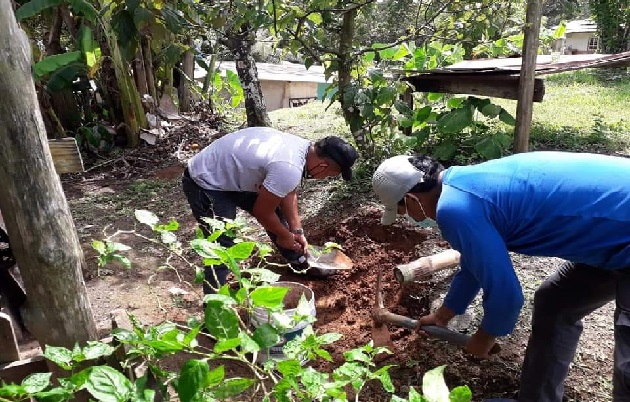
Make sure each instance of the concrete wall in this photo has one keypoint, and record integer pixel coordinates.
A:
(579, 41)
(278, 93)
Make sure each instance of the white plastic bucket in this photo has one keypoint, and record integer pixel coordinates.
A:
(260, 317)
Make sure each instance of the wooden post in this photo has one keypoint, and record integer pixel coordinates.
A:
(525, 104)
(37, 216)
(9, 352)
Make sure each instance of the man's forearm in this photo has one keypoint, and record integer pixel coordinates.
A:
(289, 208)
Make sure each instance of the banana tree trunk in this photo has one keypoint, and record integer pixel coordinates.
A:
(148, 66)
(38, 219)
(139, 73)
(241, 46)
(207, 81)
(133, 113)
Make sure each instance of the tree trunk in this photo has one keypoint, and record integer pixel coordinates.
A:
(255, 108)
(133, 112)
(351, 113)
(148, 67)
(187, 78)
(109, 84)
(139, 73)
(38, 219)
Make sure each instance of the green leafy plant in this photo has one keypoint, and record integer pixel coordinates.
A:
(434, 389)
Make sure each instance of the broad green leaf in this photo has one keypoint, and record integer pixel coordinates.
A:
(289, 368)
(433, 386)
(113, 246)
(329, 338)
(221, 321)
(232, 387)
(34, 7)
(403, 108)
(454, 103)
(506, 117)
(460, 394)
(455, 120)
(59, 355)
(421, 115)
(168, 237)
(108, 385)
(193, 378)
(55, 62)
(357, 355)
(266, 336)
(242, 250)
(88, 45)
(414, 396)
(224, 345)
(84, 8)
(225, 299)
(36, 382)
(268, 296)
(248, 345)
(122, 259)
(434, 96)
(53, 395)
(491, 110)
(64, 78)
(215, 376)
(147, 217)
(95, 350)
(488, 148)
(99, 246)
(445, 151)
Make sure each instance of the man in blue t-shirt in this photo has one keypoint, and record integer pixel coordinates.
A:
(556, 204)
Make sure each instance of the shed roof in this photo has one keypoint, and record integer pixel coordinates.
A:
(579, 26)
(284, 71)
(545, 64)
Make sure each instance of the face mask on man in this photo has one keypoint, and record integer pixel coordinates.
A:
(426, 223)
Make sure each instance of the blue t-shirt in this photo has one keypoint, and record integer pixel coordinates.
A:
(555, 204)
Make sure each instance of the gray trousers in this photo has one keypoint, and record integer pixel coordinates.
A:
(560, 303)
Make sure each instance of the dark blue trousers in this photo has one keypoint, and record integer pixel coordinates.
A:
(223, 204)
(560, 303)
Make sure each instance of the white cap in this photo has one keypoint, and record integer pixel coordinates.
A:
(391, 181)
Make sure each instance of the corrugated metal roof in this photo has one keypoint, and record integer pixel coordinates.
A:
(545, 64)
(275, 72)
(579, 26)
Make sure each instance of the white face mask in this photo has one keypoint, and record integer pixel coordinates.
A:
(426, 223)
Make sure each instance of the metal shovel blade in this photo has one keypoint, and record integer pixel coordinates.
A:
(328, 263)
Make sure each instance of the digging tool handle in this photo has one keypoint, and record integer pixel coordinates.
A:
(426, 266)
(456, 338)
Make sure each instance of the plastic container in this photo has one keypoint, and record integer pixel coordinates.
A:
(260, 316)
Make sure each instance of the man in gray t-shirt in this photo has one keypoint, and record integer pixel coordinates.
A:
(258, 170)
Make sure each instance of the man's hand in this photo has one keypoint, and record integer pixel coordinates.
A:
(440, 317)
(289, 242)
(301, 239)
(480, 344)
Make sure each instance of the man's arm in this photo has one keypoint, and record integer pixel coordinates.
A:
(485, 263)
(289, 208)
(265, 212)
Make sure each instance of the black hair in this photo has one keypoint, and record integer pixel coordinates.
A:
(431, 169)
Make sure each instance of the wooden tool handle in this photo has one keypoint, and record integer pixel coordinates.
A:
(456, 338)
(425, 266)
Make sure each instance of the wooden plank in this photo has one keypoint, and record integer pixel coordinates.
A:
(9, 350)
(526, 88)
(504, 86)
(66, 155)
(16, 371)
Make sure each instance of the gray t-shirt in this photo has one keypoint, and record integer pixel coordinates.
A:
(246, 159)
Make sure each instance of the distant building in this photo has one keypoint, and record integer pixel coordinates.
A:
(580, 37)
(284, 84)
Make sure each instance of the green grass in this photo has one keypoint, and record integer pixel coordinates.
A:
(583, 110)
(313, 120)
